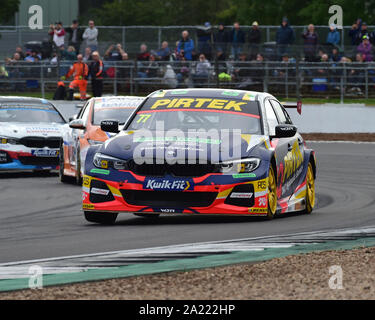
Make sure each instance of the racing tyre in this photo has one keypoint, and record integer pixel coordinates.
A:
(147, 215)
(310, 190)
(62, 176)
(78, 169)
(272, 195)
(100, 217)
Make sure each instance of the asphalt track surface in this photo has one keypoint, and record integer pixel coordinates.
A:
(41, 217)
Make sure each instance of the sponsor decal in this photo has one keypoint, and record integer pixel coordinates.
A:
(293, 161)
(258, 210)
(242, 195)
(244, 175)
(45, 153)
(86, 181)
(42, 130)
(262, 184)
(100, 171)
(230, 93)
(3, 141)
(167, 210)
(176, 92)
(199, 103)
(101, 192)
(168, 184)
(262, 201)
(88, 206)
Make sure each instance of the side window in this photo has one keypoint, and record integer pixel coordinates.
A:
(85, 113)
(271, 117)
(282, 115)
(80, 113)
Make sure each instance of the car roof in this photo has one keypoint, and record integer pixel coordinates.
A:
(24, 99)
(215, 93)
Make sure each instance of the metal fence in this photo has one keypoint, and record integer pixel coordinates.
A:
(284, 79)
(132, 36)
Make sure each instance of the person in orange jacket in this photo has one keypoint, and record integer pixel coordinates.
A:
(80, 71)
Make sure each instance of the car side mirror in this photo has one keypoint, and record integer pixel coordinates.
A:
(110, 126)
(77, 124)
(285, 131)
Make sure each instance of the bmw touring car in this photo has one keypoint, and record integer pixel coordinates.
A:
(30, 134)
(201, 151)
(85, 131)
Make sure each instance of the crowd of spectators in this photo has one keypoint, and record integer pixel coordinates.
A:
(214, 48)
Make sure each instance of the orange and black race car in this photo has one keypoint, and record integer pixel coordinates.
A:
(85, 131)
(201, 151)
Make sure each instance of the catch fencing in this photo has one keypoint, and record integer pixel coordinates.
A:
(293, 79)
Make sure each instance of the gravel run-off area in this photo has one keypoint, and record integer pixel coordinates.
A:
(304, 276)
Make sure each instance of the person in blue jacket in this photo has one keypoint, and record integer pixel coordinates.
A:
(285, 37)
(185, 46)
(333, 36)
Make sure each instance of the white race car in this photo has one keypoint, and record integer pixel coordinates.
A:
(30, 134)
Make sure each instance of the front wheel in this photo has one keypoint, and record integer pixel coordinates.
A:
(101, 217)
(310, 190)
(272, 195)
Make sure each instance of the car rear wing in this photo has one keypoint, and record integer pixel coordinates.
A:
(293, 105)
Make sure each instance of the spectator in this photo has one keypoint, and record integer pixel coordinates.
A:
(357, 76)
(3, 71)
(310, 43)
(205, 40)
(284, 37)
(221, 40)
(150, 69)
(363, 32)
(237, 40)
(32, 56)
(69, 54)
(353, 32)
(365, 48)
(114, 53)
(241, 69)
(335, 55)
(183, 72)
(17, 58)
(96, 71)
(91, 36)
(87, 56)
(333, 36)
(57, 33)
(202, 69)
(164, 52)
(143, 54)
(124, 68)
(255, 38)
(75, 35)
(185, 46)
(20, 52)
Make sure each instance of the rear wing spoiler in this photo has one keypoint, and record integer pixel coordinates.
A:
(293, 105)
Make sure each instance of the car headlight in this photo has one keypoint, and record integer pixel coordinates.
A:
(103, 161)
(239, 166)
(95, 142)
(5, 140)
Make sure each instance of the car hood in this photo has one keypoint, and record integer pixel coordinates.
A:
(20, 130)
(133, 145)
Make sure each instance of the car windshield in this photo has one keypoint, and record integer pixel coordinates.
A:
(29, 112)
(114, 109)
(188, 113)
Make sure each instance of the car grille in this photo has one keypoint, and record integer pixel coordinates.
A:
(178, 170)
(39, 161)
(169, 198)
(40, 142)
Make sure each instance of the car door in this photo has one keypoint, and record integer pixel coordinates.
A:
(292, 162)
